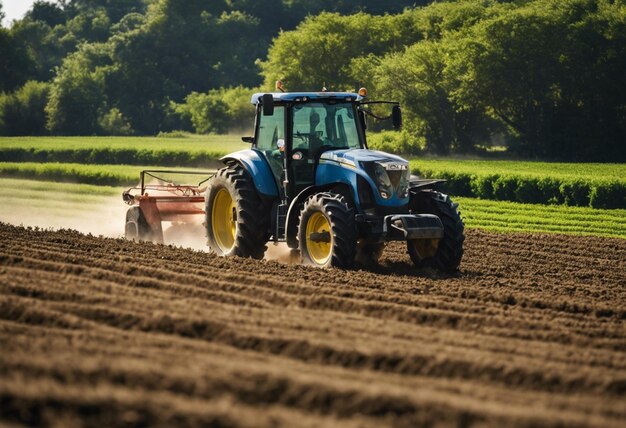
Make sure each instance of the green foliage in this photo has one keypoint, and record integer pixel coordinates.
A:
(603, 185)
(219, 110)
(42, 48)
(536, 68)
(14, 62)
(609, 194)
(322, 50)
(207, 112)
(114, 123)
(23, 112)
(77, 94)
(47, 12)
(546, 76)
(395, 142)
(155, 52)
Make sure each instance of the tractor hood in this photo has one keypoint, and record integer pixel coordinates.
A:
(354, 156)
(388, 175)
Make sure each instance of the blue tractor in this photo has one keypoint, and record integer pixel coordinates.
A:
(309, 180)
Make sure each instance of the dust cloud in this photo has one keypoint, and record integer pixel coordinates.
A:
(105, 218)
(280, 252)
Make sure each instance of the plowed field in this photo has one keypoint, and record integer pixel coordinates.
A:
(106, 332)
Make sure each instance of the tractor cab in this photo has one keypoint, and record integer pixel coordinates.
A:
(292, 131)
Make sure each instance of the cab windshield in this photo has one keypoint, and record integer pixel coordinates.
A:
(331, 126)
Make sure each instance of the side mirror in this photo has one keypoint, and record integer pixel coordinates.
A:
(396, 116)
(267, 100)
(249, 140)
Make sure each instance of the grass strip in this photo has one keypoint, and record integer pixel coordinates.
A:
(196, 151)
(104, 175)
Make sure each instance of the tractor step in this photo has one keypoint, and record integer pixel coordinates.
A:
(281, 220)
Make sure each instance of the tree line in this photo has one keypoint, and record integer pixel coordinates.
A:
(543, 78)
(547, 78)
(122, 65)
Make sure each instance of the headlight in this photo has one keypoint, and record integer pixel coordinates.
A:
(403, 185)
(385, 188)
(389, 177)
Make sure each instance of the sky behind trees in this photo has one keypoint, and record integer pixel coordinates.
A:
(15, 9)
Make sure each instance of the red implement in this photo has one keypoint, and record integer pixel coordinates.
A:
(163, 200)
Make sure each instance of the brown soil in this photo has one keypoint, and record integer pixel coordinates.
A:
(105, 332)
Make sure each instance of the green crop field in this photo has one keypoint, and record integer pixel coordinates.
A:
(575, 184)
(107, 175)
(187, 142)
(504, 216)
(187, 150)
(595, 171)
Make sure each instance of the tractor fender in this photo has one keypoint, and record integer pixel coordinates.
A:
(259, 169)
(293, 213)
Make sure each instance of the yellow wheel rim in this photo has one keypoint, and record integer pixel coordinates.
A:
(319, 251)
(224, 220)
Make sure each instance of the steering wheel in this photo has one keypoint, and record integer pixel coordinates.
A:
(304, 137)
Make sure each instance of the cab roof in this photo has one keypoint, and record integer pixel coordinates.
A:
(300, 96)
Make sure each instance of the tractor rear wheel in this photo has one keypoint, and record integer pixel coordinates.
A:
(137, 227)
(446, 253)
(237, 222)
(327, 231)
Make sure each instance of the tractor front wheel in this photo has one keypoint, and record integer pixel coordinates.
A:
(327, 231)
(236, 219)
(446, 253)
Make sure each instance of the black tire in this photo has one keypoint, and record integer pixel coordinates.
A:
(137, 227)
(446, 254)
(251, 217)
(340, 218)
(369, 253)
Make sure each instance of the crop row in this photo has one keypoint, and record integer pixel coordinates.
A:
(505, 216)
(530, 187)
(102, 175)
(600, 171)
(189, 151)
(106, 175)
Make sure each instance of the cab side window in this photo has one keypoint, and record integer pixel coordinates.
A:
(271, 129)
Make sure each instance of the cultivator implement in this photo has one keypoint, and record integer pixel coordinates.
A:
(159, 199)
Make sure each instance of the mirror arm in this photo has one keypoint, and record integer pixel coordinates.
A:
(369, 113)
